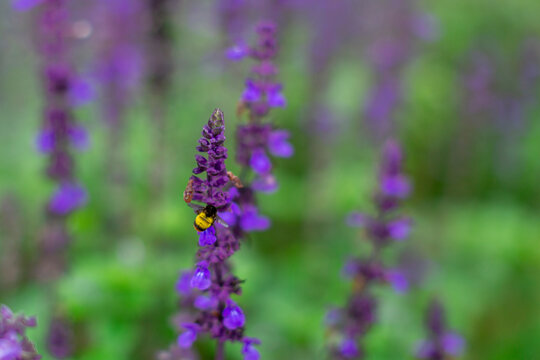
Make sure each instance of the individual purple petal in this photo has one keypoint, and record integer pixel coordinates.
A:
(45, 141)
(67, 198)
(398, 280)
(279, 145)
(266, 183)
(252, 221)
(400, 229)
(397, 186)
(348, 348)
(79, 137)
(233, 316)
(203, 302)
(202, 278)
(183, 285)
(188, 337)
(25, 5)
(250, 352)
(259, 162)
(207, 237)
(356, 219)
(81, 92)
(229, 217)
(453, 343)
(237, 52)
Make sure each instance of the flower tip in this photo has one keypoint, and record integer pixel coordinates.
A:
(217, 119)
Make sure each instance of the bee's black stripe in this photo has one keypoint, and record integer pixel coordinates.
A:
(197, 226)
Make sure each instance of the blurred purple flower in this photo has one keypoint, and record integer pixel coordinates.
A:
(67, 198)
(233, 316)
(279, 145)
(186, 339)
(14, 345)
(259, 162)
(252, 221)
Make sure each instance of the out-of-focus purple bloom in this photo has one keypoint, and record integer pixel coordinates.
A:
(251, 220)
(266, 184)
(279, 145)
(349, 348)
(14, 345)
(81, 92)
(60, 338)
(183, 285)
(237, 52)
(249, 351)
(398, 280)
(441, 342)
(359, 314)
(188, 337)
(233, 316)
(207, 237)
(203, 302)
(201, 279)
(260, 163)
(67, 198)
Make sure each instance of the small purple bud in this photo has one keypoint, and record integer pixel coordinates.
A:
(207, 237)
(397, 186)
(259, 162)
(275, 97)
(81, 92)
(233, 316)
(252, 93)
(188, 337)
(278, 144)
(202, 279)
(249, 351)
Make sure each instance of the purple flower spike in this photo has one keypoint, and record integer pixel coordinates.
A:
(249, 351)
(202, 278)
(14, 345)
(233, 316)
(260, 163)
(207, 237)
(278, 144)
(67, 198)
(188, 337)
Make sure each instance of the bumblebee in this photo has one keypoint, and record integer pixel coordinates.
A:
(206, 216)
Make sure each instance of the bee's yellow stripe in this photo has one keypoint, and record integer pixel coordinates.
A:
(203, 221)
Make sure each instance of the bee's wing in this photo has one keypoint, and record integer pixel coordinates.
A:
(221, 221)
(198, 208)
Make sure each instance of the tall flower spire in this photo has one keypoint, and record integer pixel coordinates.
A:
(349, 324)
(208, 289)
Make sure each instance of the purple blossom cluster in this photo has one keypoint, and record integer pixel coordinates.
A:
(209, 288)
(442, 343)
(259, 138)
(64, 90)
(350, 323)
(14, 344)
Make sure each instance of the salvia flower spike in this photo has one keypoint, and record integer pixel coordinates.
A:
(207, 290)
(349, 324)
(14, 344)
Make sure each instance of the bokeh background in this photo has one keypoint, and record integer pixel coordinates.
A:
(460, 92)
